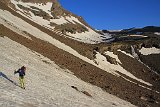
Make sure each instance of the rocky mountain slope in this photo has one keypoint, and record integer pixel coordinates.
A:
(147, 37)
(60, 45)
(54, 17)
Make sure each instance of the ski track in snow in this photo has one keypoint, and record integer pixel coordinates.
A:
(24, 26)
(47, 85)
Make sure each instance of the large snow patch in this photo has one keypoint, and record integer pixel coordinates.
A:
(46, 83)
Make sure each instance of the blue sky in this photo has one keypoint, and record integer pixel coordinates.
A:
(116, 14)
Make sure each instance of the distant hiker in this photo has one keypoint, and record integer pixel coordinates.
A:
(21, 72)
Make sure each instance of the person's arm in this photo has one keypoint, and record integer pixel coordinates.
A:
(15, 72)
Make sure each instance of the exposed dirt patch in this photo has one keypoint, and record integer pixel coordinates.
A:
(152, 61)
(72, 28)
(1, 36)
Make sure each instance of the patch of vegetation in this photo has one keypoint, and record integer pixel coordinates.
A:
(110, 59)
(35, 8)
(36, 11)
(71, 28)
(53, 24)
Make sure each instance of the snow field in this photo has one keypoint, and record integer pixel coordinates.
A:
(89, 36)
(148, 51)
(46, 84)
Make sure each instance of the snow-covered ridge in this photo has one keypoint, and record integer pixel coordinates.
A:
(89, 36)
(148, 51)
(103, 64)
(157, 33)
(114, 30)
(47, 85)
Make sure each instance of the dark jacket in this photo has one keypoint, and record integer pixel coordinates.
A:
(21, 72)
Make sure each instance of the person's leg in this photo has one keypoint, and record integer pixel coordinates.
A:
(23, 83)
(21, 80)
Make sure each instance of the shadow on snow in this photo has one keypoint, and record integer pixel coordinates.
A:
(5, 77)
